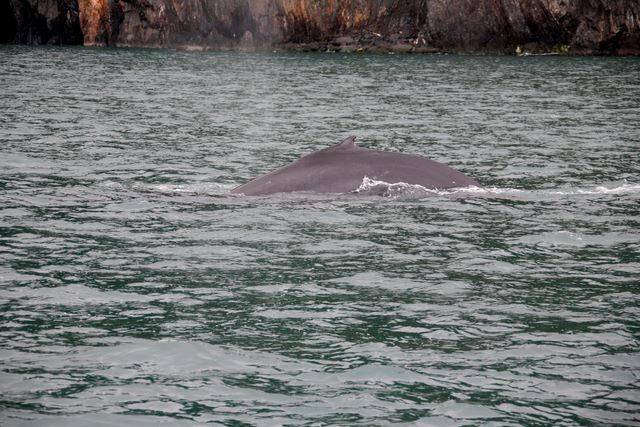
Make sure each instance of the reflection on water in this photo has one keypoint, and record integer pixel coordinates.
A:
(133, 292)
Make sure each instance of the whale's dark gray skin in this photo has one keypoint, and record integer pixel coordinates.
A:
(341, 169)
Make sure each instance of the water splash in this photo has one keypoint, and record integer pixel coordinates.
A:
(374, 187)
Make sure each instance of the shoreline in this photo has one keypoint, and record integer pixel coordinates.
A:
(327, 48)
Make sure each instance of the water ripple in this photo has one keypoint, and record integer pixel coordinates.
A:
(134, 292)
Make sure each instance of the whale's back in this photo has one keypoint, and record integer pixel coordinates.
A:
(342, 168)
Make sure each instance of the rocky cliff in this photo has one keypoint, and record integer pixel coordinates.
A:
(40, 21)
(602, 27)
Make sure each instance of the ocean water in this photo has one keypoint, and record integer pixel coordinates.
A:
(134, 292)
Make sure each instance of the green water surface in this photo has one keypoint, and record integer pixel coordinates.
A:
(133, 292)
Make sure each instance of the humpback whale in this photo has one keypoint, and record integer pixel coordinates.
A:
(342, 168)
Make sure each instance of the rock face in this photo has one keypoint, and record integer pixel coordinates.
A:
(601, 27)
(189, 24)
(40, 22)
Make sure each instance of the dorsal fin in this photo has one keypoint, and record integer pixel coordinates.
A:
(347, 143)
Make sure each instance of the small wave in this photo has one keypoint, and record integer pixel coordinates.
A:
(374, 187)
(619, 189)
(499, 191)
(166, 188)
(188, 189)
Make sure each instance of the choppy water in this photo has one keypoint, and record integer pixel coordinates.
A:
(132, 292)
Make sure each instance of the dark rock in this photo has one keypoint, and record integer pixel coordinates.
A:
(40, 22)
(344, 40)
(426, 49)
(401, 48)
(314, 47)
(8, 22)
